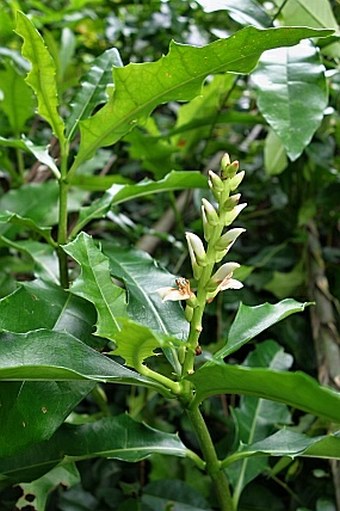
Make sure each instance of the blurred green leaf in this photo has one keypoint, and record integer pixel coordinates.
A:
(42, 75)
(17, 101)
(251, 321)
(176, 76)
(245, 12)
(315, 13)
(275, 159)
(174, 495)
(294, 389)
(93, 89)
(95, 284)
(28, 223)
(119, 193)
(283, 77)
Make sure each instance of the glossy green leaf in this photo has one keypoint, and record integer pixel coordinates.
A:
(33, 357)
(283, 77)
(113, 437)
(275, 158)
(27, 223)
(292, 444)
(251, 321)
(176, 76)
(17, 101)
(142, 277)
(119, 193)
(31, 411)
(42, 75)
(257, 418)
(294, 389)
(66, 476)
(245, 12)
(93, 89)
(44, 305)
(95, 284)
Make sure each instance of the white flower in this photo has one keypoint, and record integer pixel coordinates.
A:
(174, 294)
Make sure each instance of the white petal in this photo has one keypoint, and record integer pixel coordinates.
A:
(225, 270)
(230, 284)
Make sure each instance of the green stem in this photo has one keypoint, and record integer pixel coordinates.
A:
(62, 222)
(213, 465)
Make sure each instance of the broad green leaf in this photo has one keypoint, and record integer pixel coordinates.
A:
(136, 342)
(68, 44)
(292, 444)
(31, 411)
(176, 76)
(47, 306)
(93, 89)
(142, 277)
(66, 476)
(42, 75)
(17, 101)
(314, 13)
(245, 12)
(175, 495)
(119, 193)
(251, 321)
(294, 389)
(33, 357)
(95, 284)
(27, 223)
(275, 159)
(284, 284)
(283, 77)
(258, 418)
(97, 183)
(117, 437)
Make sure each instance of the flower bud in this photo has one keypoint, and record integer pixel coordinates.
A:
(225, 160)
(188, 312)
(230, 170)
(216, 182)
(231, 202)
(207, 228)
(224, 271)
(196, 250)
(211, 213)
(231, 215)
(236, 180)
(229, 238)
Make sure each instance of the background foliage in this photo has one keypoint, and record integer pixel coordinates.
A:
(283, 128)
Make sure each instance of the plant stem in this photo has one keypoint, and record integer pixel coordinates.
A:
(213, 465)
(62, 222)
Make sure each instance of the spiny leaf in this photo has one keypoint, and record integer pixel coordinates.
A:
(177, 76)
(42, 75)
(95, 284)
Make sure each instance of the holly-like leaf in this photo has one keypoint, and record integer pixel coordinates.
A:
(245, 12)
(251, 321)
(294, 389)
(177, 76)
(117, 437)
(42, 76)
(283, 77)
(292, 444)
(27, 223)
(95, 284)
